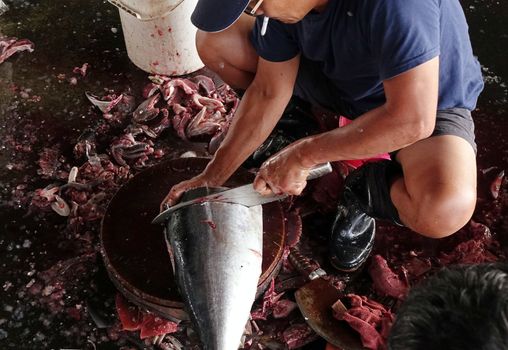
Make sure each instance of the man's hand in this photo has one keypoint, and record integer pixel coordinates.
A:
(178, 190)
(282, 173)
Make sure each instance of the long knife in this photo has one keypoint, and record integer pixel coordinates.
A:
(244, 195)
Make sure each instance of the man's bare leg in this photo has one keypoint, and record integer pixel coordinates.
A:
(433, 192)
(437, 194)
(230, 53)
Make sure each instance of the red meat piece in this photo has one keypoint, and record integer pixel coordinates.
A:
(386, 282)
(130, 316)
(370, 319)
(269, 300)
(153, 325)
(469, 252)
(283, 308)
(297, 335)
(9, 46)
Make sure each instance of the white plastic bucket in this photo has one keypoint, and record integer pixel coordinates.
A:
(159, 35)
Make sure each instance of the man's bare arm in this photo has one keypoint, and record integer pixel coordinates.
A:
(261, 107)
(408, 116)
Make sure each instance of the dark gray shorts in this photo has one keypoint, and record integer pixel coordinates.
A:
(312, 86)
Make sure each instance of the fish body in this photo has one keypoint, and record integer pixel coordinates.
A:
(216, 249)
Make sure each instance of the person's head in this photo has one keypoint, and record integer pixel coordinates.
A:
(217, 15)
(458, 308)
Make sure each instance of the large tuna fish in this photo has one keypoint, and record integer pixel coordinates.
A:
(217, 255)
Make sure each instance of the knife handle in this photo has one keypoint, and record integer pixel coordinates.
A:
(319, 170)
(304, 265)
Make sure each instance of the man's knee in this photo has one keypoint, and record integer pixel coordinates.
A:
(208, 46)
(229, 54)
(443, 211)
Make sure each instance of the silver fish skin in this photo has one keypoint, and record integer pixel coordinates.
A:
(217, 253)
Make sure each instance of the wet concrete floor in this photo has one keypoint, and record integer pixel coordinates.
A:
(70, 33)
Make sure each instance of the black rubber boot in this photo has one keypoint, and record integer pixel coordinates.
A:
(366, 196)
(296, 122)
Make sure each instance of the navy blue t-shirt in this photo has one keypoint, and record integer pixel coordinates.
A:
(359, 43)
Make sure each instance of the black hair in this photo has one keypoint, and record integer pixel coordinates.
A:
(464, 307)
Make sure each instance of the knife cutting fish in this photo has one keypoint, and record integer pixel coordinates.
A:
(244, 195)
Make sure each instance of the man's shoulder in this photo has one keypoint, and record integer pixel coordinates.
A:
(381, 14)
(395, 7)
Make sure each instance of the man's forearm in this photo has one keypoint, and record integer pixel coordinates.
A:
(255, 118)
(377, 131)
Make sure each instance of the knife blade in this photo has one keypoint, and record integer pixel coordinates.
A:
(244, 195)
